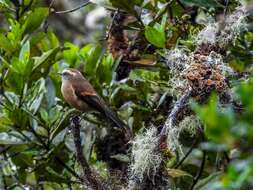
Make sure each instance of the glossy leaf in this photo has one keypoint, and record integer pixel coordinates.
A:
(155, 36)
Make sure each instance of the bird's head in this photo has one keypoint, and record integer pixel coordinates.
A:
(71, 74)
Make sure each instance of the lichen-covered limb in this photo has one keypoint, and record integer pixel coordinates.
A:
(178, 107)
(170, 131)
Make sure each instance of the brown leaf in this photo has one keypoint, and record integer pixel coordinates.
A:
(145, 62)
(174, 173)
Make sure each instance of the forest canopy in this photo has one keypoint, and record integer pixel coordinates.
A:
(177, 73)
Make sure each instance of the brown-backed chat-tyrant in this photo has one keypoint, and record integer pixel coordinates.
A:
(80, 94)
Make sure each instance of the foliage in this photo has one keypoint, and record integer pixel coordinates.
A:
(153, 47)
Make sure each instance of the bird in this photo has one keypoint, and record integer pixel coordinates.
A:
(80, 94)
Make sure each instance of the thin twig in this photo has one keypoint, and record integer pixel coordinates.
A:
(196, 139)
(161, 13)
(180, 3)
(111, 24)
(51, 4)
(17, 13)
(74, 9)
(201, 169)
(226, 8)
(170, 14)
(3, 105)
(187, 154)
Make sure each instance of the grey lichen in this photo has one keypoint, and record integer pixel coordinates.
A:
(146, 158)
(190, 124)
(224, 31)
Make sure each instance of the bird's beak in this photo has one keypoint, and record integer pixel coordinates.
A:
(59, 73)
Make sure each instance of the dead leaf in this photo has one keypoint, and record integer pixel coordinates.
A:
(174, 173)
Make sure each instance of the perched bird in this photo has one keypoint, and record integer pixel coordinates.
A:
(80, 94)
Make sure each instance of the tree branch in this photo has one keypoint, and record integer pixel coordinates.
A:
(172, 118)
(91, 179)
(180, 3)
(74, 9)
(187, 154)
(201, 169)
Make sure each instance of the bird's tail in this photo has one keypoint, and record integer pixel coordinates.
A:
(117, 122)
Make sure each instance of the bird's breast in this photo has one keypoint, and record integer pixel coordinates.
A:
(69, 95)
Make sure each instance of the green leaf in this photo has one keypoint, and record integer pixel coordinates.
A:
(43, 63)
(24, 54)
(5, 43)
(5, 123)
(3, 2)
(17, 66)
(85, 51)
(10, 139)
(70, 54)
(61, 125)
(44, 115)
(48, 42)
(92, 61)
(218, 122)
(121, 157)
(105, 69)
(22, 65)
(143, 75)
(54, 42)
(51, 93)
(44, 58)
(208, 181)
(155, 36)
(15, 82)
(126, 5)
(35, 95)
(16, 34)
(35, 19)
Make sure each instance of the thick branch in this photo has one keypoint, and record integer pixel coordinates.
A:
(172, 118)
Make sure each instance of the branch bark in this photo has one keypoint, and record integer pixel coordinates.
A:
(91, 179)
(172, 118)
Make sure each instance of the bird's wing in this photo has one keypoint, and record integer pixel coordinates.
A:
(86, 93)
